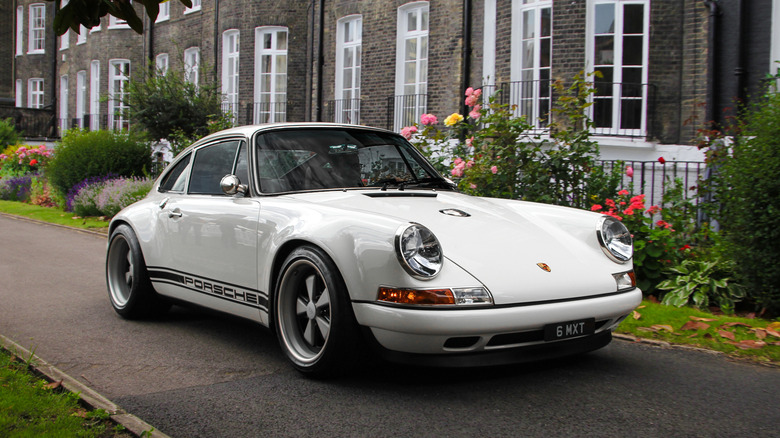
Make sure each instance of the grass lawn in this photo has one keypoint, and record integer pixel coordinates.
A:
(751, 338)
(52, 215)
(30, 407)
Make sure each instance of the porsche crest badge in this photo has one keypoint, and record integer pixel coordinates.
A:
(544, 267)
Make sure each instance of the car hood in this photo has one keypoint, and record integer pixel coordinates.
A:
(522, 252)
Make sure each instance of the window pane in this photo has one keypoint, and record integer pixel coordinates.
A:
(605, 19)
(281, 64)
(528, 24)
(605, 50)
(210, 165)
(631, 114)
(546, 29)
(602, 113)
(424, 20)
(632, 50)
(281, 40)
(267, 37)
(528, 54)
(411, 49)
(633, 19)
(411, 20)
(604, 84)
(544, 55)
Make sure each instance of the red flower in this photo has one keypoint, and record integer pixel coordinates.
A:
(683, 248)
(33, 162)
(661, 160)
(596, 207)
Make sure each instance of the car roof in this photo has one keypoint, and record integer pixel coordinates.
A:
(249, 130)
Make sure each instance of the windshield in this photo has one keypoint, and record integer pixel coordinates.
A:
(318, 159)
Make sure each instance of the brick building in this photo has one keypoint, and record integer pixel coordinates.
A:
(667, 65)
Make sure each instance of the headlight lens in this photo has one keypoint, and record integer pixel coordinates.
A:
(418, 251)
(615, 239)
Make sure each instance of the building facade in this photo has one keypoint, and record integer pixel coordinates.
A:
(666, 67)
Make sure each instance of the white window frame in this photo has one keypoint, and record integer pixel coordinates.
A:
(617, 91)
(81, 96)
(117, 23)
(117, 105)
(192, 65)
(37, 29)
(406, 112)
(530, 91)
(64, 94)
(161, 63)
(64, 38)
(347, 105)
(19, 93)
(96, 28)
(35, 93)
(20, 31)
(165, 12)
(82, 36)
(196, 6)
(774, 56)
(489, 46)
(94, 95)
(231, 48)
(275, 96)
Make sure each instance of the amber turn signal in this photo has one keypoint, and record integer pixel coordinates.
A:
(415, 296)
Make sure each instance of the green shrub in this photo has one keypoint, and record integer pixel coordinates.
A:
(747, 192)
(8, 134)
(84, 154)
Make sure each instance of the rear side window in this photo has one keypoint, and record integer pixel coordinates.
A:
(175, 179)
(210, 165)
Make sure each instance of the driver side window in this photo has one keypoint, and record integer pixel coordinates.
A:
(210, 165)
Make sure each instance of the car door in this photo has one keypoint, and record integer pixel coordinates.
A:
(209, 239)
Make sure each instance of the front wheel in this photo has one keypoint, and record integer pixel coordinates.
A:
(129, 288)
(314, 320)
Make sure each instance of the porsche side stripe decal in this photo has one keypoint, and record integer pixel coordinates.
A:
(226, 291)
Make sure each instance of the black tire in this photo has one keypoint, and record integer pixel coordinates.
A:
(313, 315)
(129, 289)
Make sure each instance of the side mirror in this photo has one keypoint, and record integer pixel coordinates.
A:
(232, 186)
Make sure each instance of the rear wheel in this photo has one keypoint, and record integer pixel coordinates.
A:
(129, 288)
(314, 320)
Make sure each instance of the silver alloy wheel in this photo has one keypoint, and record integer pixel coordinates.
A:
(304, 311)
(120, 271)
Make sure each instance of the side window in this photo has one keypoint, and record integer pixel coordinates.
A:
(242, 164)
(174, 180)
(211, 163)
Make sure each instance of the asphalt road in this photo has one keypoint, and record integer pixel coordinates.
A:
(198, 374)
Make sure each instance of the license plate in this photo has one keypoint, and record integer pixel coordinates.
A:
(569, 329)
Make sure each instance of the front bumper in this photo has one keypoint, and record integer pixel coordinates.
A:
(478, 331)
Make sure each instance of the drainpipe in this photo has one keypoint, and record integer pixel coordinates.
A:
(54, 77)
(320, 61)
(466, 55)
(739, 70)
(712, 27)
(217, 41)
(152, 64)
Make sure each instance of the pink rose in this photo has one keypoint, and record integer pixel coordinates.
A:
(472, 100)
(475, 114)
(473, 186)
(494, 169)
(623, 192)
(408, 131)
(596, 207)
(629, 171)
(469, 91)
(470, 141)
(428, 119)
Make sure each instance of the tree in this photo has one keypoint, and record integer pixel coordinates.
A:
(88, 13)
(169, 107)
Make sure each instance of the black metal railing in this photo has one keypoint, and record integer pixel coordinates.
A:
(407, 110)
(232, 108)
(268, 112)
(344, 111)
(31, 123)
(532, 99)
(650, 177)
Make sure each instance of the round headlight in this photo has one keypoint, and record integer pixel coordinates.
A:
(615, 239)
(418, 251)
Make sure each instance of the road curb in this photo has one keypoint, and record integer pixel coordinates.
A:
(36, 221)
(88, 396)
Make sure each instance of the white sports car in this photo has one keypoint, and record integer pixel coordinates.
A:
(339, 236)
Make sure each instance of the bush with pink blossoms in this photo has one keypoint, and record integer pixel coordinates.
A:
(106, 197)
(494, 151)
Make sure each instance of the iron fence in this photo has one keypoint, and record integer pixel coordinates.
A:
(407, 110)
(344, 111)
(651, 177)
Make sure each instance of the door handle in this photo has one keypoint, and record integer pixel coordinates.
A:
(174, 213)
